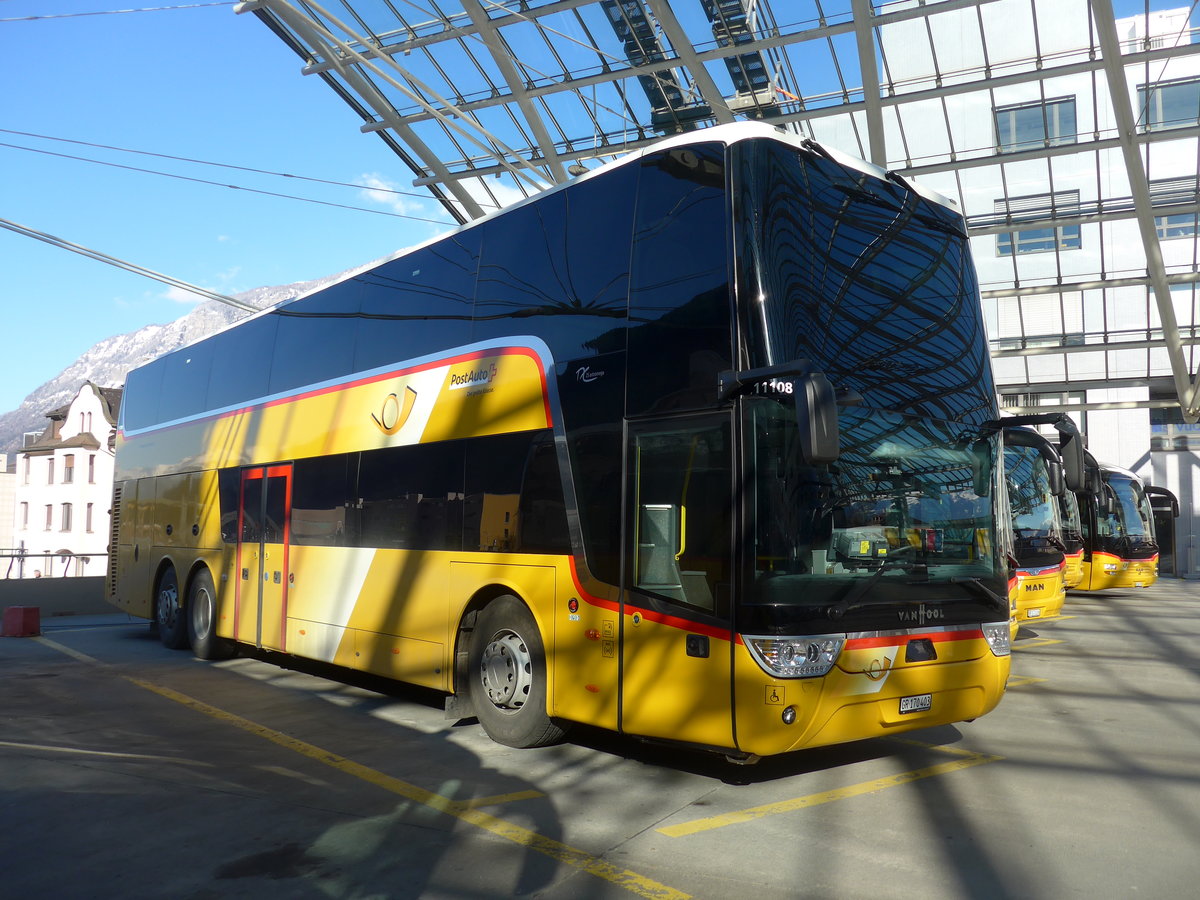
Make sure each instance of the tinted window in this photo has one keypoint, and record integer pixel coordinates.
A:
(680, 312)
(514, 500)
(185, 381)
(870, 281)
(139, 403)
(559, 267)
(323, 508)
(240, 372)
(412, 497)
(315, 338)
(419, 303)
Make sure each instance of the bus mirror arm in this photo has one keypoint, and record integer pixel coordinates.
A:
(815, 397)
(1071, 444)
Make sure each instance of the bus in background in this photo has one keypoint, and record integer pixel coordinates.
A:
(1038, 475)
(1118, 524)
(698, 447)
(1072, 538)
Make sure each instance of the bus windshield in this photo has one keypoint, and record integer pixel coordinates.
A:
(1132, 516)
(909, 504)
(1037, 527)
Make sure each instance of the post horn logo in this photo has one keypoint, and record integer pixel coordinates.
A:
(395, 412)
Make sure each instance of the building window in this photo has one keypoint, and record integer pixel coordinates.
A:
(91, 468)
(1180, 226)
(69, 469)
(1031, 126)
(24, 516)
(1043, 236)
(26, 479)
(50, 471)
(88, 520)
(1169, 104)
(49, 516)
(66, 517)
(1175, 192)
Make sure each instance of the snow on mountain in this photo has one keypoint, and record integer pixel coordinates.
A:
(106, 363)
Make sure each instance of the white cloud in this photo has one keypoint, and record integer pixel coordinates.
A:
(377, 189)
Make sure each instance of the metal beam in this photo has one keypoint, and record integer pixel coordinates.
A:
(686, 53)
(488, 33)
(1095, 285)
(1118, 89)
(863, 14)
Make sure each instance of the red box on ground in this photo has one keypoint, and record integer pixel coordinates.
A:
(22, 621)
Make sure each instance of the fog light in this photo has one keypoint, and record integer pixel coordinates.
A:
(789, 715)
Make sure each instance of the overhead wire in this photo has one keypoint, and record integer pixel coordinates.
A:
(64, 244)
(235, 187)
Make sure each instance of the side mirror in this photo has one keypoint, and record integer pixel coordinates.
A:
(1161, 498)
(1054, 471)
(817, 418)
(1070, 448)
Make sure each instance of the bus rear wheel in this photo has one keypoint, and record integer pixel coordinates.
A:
(168, 611)
(507, 665)
(202, 619)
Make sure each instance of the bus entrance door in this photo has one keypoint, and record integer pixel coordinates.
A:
(264, 512)
(675, 641)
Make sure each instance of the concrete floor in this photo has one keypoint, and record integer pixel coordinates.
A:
(132, 771)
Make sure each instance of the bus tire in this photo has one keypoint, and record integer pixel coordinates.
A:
(202, 619)
(169, 611)
(506, 665)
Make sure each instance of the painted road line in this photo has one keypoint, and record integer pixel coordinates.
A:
(1036, 642)
(62, 648)
(104, 754)
(1023, 680)
(856, 790)
(464, 811)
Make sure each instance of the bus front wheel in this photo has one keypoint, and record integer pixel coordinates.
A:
(168, 611)
(202, 619)
(507, 666)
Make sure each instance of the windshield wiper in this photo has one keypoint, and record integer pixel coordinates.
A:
(978, 583)
(851, 599)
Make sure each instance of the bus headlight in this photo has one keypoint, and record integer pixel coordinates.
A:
(799, 657)
(997, 635)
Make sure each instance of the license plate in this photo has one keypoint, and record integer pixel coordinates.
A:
(918, 703)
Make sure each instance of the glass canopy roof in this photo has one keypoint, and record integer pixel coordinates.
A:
(1068, 131)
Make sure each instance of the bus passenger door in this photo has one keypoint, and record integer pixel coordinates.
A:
(264, 532)
(675, 640)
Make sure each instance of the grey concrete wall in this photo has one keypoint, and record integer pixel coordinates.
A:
(57, 596)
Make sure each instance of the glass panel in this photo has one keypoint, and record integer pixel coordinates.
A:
(1035, 125)
(419, 303)
(683, 524)
(905, 515)
(680, 331)
(412, 497)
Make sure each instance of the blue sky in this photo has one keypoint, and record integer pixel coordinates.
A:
(202, 83)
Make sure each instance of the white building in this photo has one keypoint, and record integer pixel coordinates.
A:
(8, 490)
(63, 489)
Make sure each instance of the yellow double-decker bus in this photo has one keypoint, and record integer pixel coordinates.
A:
(699, 447)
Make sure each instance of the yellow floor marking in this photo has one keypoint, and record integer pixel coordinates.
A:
(855, 790)
(501, 799)
(1036, 642)
(1023, 680)
(464, 811)
(940, 748)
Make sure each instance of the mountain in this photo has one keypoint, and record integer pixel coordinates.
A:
(106, 363)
